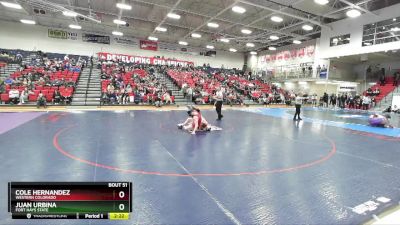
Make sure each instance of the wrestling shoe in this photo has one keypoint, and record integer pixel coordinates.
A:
(180, 126)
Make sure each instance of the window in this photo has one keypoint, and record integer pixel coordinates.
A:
(381, 32)
(340, 40)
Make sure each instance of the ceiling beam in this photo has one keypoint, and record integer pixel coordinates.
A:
(329, 13)
(143, 19)
(358, 7)
(348, 7)
(224, 20)
(166, 16)
(212, 18)
(285, 13)
(61, 8)
(270, 14)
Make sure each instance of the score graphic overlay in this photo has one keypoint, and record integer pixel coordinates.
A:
(70, 200)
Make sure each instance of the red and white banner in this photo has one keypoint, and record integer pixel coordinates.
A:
(148, 45)
(290, 55)
(142, 59)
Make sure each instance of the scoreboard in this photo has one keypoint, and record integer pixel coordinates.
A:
(70, 200)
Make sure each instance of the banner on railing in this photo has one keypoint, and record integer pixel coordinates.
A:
(142, 59)
(304, 52)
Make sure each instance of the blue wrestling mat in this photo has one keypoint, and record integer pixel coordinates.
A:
(262, 168)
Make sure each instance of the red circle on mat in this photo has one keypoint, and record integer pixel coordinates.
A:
(261, 172)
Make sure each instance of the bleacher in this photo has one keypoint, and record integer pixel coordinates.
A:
(253, 89)
(63, 80)
(127, 78)
(385, 89)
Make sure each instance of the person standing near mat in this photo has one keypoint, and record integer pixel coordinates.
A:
(297, 102)
(219, 98)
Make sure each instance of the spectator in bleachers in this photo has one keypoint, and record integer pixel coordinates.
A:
(369, 92)
(167, 98)
(395, 109)
(396, 78)
(41, 100)
(57, 97)
(382, 79)
(264, 99)
(13, 94)
(24, 96)
(377, 91)
(2, 86)
(9, 81)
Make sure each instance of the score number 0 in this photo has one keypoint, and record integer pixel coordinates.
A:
(121, 195)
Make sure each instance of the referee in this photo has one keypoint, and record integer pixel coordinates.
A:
(297, 102)
(219, 98)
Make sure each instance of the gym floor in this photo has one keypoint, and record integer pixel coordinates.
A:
(262, 168)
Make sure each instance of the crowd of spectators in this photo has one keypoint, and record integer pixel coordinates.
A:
(133, 84)
(199, 85)
(43, 80)
(10, 57)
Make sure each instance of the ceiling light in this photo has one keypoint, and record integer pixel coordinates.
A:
(395, 29)
(307, 27)
(173, 16)
(196, 35)
(238, 9)
(124, 6)
(297, 42)
(246, 31)
(224, 40)
(352, 13)
(151, 38)
(210, 47)
(277, 19)
(321, 2)
(250, 45)
(119, 22)
(28, 22)
(117, 33)
(70, 13)
(213, 25)
(11, 5)
(272, 48)
(73, 26)
(162, 29)
(253, 53)
(274, 37)
(183, 43)
(232, 50)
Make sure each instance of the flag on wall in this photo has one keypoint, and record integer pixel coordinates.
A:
(95, 38)
(148, 45)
